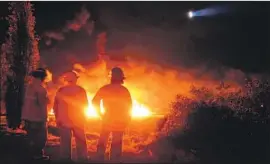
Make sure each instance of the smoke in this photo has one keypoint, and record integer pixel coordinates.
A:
(153, 85)
(81, 21)
(159, 61)
(54, 35)
(164, 43)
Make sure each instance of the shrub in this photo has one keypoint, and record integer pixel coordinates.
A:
(225, 127)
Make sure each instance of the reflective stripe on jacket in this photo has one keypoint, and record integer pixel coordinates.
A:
(35, 102)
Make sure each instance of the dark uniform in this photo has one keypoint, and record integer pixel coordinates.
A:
(34, 114)
(69, 107)
(117, 104)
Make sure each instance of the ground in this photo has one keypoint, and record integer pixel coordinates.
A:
(138, 142)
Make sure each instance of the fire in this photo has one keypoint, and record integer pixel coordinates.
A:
(138, 110)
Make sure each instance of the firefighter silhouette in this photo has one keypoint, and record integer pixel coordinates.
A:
(117, 104)
(69, 105)
(34, 113)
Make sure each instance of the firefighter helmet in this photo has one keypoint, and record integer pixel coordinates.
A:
(39, 73)
(70, 76)
(117, 73)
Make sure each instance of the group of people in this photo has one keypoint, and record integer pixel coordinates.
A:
(70, 115)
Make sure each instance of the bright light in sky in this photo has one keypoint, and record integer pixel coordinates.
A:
(190, 14)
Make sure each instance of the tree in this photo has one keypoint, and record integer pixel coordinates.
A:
(22, 56)
(7, 52)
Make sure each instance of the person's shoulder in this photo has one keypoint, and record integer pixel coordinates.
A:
(115, 86)
(81, 89)
(107, 85)
(124, 88)
(41, 88)
(60, 89)
(104, 87)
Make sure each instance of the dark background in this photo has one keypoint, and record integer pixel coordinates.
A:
(160, 32)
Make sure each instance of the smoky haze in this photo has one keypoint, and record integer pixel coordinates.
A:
(157, 48)
(158, 60)
(156, 38)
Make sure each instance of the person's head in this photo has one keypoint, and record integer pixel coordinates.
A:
(39, 74)
(117, 76)
(70, 77)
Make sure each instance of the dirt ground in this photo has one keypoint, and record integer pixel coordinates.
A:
(138, 136)
(135, 148)
(140, 144)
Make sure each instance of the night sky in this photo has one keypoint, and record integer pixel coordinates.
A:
(158, 31)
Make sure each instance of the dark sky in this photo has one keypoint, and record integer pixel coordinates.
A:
(161, 31)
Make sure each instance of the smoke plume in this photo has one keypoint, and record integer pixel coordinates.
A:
(82, 21)
(159, 61)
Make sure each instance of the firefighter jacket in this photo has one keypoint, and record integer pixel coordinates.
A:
(35, 102)
(117, 104)
(70, 105)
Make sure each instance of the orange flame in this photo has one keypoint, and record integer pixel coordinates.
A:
(138, 110)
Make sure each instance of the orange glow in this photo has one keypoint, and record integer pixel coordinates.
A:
(138, 110)
(152, 87)
(51, 112)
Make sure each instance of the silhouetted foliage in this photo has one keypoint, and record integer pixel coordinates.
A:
(224, 126)
(20, 55)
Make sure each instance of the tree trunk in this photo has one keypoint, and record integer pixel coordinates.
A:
(23, 58)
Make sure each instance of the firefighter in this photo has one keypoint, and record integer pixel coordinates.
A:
(69, 105)
(117, 104)
(34, 114)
